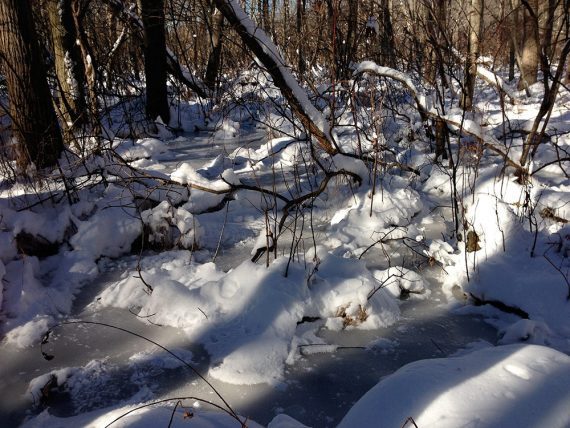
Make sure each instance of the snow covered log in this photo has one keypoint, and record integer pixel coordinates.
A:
(267, 53)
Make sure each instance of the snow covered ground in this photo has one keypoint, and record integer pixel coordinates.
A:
(176, 241)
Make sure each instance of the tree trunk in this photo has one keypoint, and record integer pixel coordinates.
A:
(68, 64)
(512, 60)
(530, 47)
(152, 15)
(90, 67)
(215, 57)
(34, 122)
(265, 16)
(300, 41)
(475, 27)
(547, 9)
(387, 50)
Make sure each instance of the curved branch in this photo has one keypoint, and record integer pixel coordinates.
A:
(425, 108)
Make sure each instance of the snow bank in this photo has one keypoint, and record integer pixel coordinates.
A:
(247, 318)
(509, 386)
(227, 130)
(141, 149)
(186, 174)
(111, 230)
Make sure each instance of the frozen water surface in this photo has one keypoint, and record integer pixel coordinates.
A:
(318, 388)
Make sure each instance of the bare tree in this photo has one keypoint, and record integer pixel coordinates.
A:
(34, 122)
(530, 55)
(68, 64)
(475, 26)
(152, 14)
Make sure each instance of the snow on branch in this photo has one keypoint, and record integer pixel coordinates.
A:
(495, 81)
(267, 53)
(489, 76)
(425, 106)
(378, 70)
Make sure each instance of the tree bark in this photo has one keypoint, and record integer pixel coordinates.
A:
(475, 27)
(152, 15)
(34, 122)
(79, 10)
(300, 42)
(215, 57)
(68, 64)
(530, 56)
(387, 50)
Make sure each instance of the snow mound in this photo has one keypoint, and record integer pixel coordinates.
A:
(366, 219)
(507, 386)
(141, 149)
(399, 282)
(169, 226)
(345, 292)
(227, 130)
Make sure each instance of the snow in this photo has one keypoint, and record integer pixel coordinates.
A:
(171, 226)
(371, 66)
(367, 219)
(186, 174)
(515, 385)
(146, 417)
(349, 164)
(110, 233)
(342, 266)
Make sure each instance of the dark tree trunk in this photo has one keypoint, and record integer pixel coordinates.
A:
(387, 50)
(300, 42)
(512, 60)
(34, 122)
(152, 14)
(266, 24)
(215, 57)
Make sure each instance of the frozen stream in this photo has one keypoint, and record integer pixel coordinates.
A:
(318, 389)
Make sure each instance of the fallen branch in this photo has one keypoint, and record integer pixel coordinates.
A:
(480, 301)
